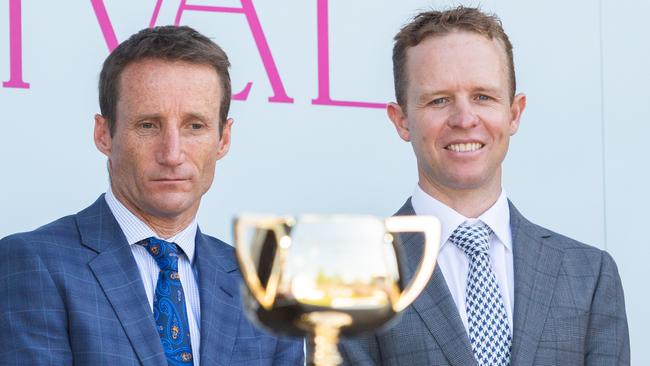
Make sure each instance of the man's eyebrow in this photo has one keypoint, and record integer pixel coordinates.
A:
(195, 115)
(487, 90)
(148, 116)
(429, 95)
(158, 117)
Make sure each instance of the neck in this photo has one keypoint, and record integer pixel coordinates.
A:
(165, 226)
(470, 203)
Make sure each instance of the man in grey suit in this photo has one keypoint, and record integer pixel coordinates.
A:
(505, 291)
(131, 279)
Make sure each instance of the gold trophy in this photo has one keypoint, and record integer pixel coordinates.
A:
(325, 276)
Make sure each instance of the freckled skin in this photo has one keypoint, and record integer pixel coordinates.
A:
(166, 144)
(458, 92)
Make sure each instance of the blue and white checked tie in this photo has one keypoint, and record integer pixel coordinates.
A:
(169, 309)
(489, 332)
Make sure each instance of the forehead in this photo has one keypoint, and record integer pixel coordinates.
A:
(458, 58)
(155, 84)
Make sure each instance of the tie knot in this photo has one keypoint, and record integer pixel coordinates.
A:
(164, 252)
(472, 239)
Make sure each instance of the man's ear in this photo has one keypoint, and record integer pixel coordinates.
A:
(102, 135)
(224, 139)
(398, 116)
(516, 111)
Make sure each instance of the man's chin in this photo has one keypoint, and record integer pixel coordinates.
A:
(469, 182)
(172, 205)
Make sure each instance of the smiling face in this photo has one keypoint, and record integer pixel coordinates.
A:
(166, 143)
(459, 115)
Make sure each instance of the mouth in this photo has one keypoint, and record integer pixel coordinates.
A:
(464, 147)
(170, 180)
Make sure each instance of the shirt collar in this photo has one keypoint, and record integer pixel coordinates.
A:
(496, 217)
(136, 230)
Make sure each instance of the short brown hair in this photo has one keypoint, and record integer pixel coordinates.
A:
(169, 43)
(438, 23)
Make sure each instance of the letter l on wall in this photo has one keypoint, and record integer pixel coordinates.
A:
(324, 97)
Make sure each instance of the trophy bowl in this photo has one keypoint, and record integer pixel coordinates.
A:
(323, 276)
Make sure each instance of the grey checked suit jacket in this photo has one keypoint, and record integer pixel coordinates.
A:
(568, 309)
(71, 293)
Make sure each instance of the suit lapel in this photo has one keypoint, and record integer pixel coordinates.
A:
(220, 301)
(435, 306)
(536, 268)
(117, 273)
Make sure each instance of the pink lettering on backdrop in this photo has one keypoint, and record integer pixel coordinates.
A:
(324, 97)
(279, 94)
(154, 16)
(107, 27)
(15, 48)
(105, 24)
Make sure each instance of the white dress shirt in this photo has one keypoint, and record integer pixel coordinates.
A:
(453, 262)
(135, 231)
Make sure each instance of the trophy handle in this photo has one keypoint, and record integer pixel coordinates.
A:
(430, 226)
(280, 228)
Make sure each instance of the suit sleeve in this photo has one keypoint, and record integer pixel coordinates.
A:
(33, 321)
(290, 352)
(608, 341)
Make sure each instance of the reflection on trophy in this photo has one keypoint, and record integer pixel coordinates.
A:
(325, 276)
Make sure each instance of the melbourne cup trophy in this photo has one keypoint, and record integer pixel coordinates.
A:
(325, 276)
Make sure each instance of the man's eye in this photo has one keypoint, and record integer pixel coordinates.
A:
(146, 125)
(439, 101)
(196, 126)
(483, 97)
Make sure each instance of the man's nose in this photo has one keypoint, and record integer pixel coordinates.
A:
(170, 151)
(463, 115)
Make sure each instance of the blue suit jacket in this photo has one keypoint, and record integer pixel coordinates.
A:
(568, 309)
(71, 293)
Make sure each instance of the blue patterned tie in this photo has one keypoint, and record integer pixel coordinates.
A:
(489, 331)
(169, 309)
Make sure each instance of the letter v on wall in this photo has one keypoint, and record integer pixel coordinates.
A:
(107, 27)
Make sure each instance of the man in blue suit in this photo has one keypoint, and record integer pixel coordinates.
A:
(131, 280)
(505, 291)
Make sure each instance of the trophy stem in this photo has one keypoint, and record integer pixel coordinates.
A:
(324, 328)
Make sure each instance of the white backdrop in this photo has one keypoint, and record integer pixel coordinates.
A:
(577, 164)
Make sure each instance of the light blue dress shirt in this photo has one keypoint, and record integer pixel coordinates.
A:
(135, 231)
